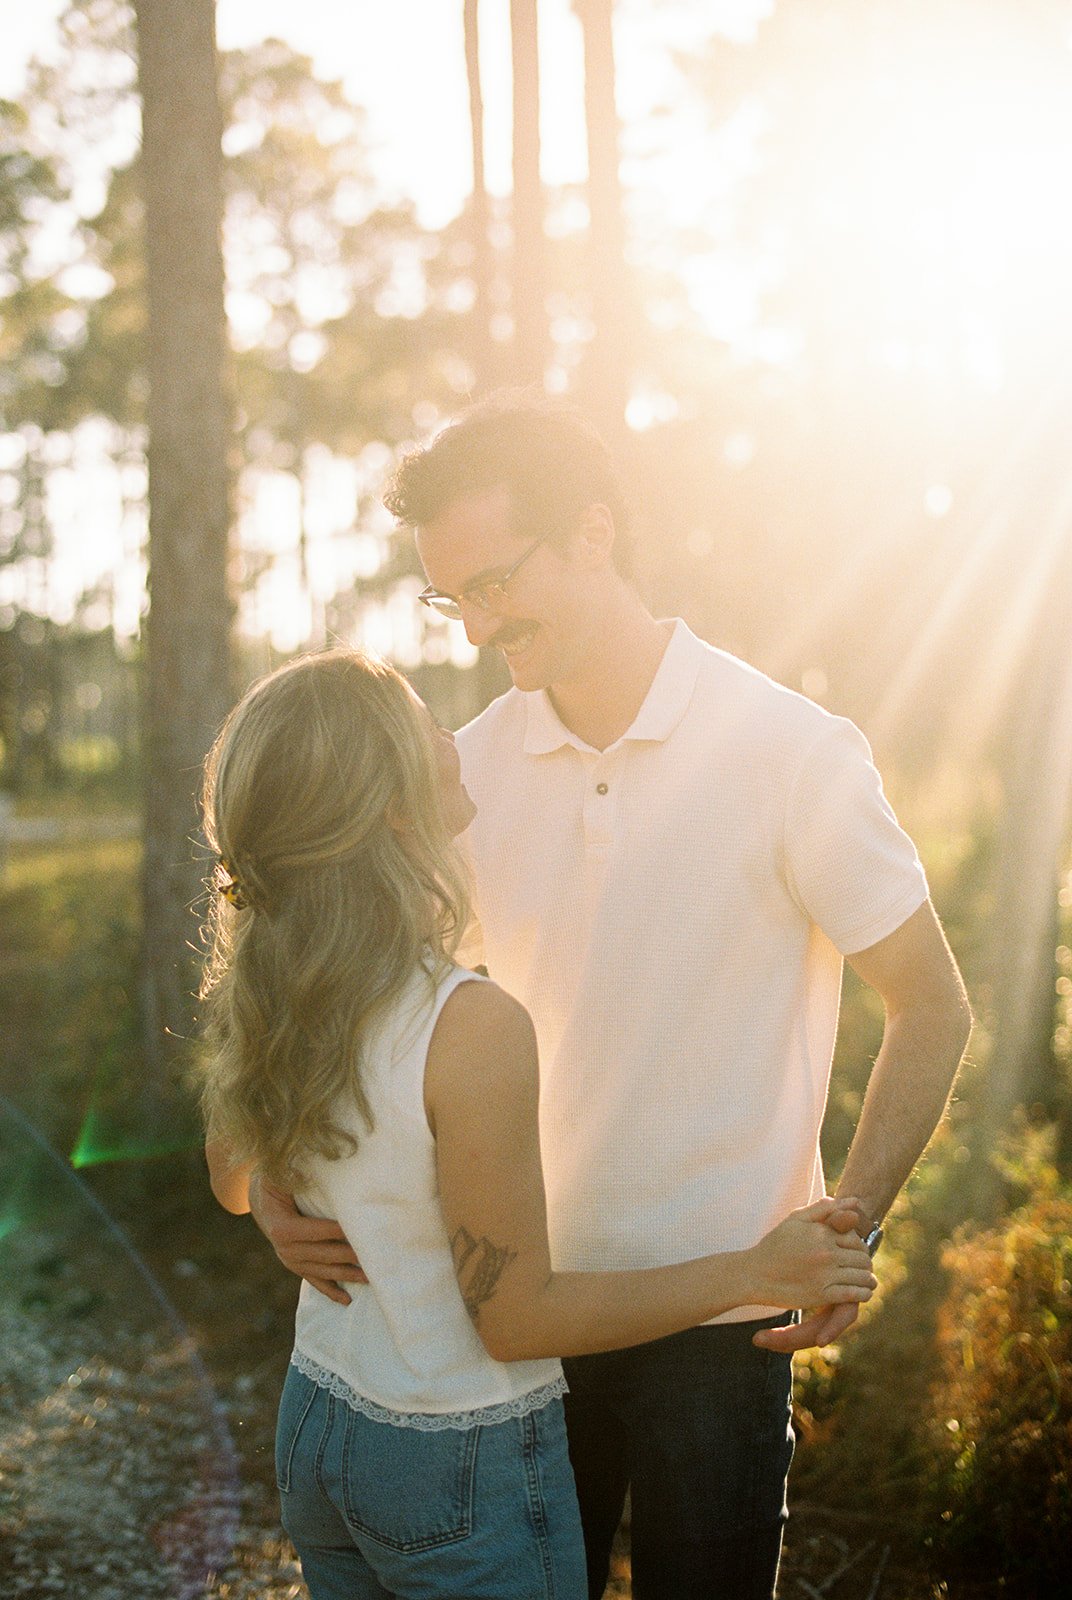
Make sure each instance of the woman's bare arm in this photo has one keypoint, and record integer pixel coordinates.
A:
(229, 1178)
(481, 1097)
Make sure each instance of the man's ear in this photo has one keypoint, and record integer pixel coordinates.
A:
(596, 541)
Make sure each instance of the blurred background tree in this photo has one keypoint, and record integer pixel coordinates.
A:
(188, 679)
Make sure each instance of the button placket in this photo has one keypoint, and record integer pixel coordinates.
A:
(600, 806)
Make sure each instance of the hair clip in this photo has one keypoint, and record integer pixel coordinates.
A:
(231, 889)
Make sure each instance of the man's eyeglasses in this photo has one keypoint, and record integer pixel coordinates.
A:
(486, 596)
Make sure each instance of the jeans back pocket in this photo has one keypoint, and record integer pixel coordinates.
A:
(407, 1488)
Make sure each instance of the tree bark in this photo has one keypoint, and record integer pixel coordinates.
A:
(188, 686)
(479, 211)
(609, 357)
(529, 257)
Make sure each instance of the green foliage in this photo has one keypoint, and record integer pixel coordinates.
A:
(73, 1057)
(89, 759)
(69, 1013)
(327, 285)
(1001, 1428)
(68, 710)
(32, 305)
(344, 313)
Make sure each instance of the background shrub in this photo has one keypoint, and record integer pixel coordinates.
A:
(1002, 1413)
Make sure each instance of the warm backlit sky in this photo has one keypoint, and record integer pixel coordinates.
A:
(403, 61)
(929, 191)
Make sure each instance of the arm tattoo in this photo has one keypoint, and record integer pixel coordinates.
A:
(479, 1265)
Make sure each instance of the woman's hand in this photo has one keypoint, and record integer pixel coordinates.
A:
(809, 1260)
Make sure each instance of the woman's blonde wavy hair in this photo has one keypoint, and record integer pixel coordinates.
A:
(321, 793)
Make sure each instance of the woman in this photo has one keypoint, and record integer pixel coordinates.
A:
(421, 1449)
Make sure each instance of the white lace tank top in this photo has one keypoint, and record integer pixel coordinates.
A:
(404, 1351)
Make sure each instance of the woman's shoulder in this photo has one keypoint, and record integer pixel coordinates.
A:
(476, 1006)
(483, 1038)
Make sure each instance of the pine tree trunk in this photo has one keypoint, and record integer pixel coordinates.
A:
(479, 213)
(491, 677)
(188, 675)
(608, 366)
(529, 260)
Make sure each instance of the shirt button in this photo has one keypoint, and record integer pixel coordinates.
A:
(601, 788)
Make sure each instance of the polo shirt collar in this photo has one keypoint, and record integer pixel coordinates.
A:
(663, 707)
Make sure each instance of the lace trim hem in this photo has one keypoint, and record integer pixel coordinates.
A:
(428, 1421)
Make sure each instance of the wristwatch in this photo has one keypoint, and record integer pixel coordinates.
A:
(873, 1238)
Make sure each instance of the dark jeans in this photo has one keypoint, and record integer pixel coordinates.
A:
(698, 1428)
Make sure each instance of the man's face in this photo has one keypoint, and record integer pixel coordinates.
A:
(543, 623)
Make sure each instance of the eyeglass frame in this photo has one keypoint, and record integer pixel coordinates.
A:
(482, 595)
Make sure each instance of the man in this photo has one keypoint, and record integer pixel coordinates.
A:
(671, 857)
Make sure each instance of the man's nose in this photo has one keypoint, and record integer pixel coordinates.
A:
(480, 625)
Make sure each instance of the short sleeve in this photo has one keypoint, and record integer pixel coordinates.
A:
(850, 866)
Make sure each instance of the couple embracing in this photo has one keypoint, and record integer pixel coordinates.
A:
(558, 1223)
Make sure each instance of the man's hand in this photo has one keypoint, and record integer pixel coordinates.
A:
(822, 1327)
(828, 1322)
(311, 1247)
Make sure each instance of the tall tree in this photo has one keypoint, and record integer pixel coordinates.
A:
(479, 214)
(529, 258)
(188, 673)
(609, 354)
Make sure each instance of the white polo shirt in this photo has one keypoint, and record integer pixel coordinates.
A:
(673, 912)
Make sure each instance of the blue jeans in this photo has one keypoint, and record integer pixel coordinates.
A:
(375, 1511)
(698, 1428)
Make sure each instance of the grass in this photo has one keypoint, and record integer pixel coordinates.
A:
(71, 1061)
(67, 971)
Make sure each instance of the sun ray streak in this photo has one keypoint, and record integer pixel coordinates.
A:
(1022, 463)
(997, 662)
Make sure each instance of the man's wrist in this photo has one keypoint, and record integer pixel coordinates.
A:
(869, 1214)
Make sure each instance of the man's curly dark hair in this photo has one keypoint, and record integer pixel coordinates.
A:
(544, 451)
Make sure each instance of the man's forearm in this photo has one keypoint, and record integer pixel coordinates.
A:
(906, 1096)
(928, 1020)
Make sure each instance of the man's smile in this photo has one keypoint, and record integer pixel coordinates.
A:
(514, 638)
